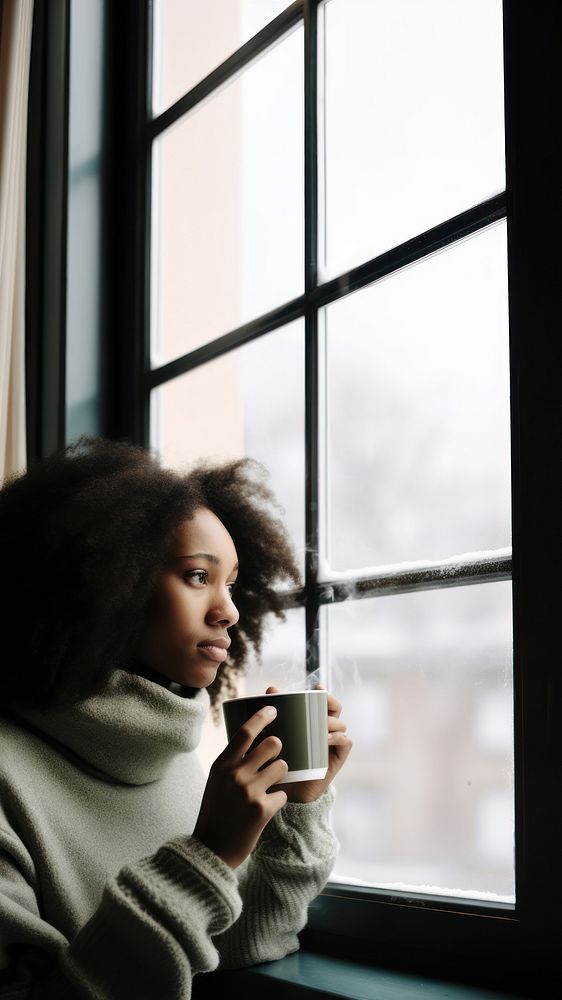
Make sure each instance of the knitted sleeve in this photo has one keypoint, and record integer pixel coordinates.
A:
(286, 871)
(151, 933)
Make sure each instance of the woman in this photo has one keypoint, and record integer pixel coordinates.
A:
(133, 595)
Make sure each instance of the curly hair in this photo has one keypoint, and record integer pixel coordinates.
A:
(83, 535)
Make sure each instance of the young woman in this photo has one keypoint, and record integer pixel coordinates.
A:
(132, 596)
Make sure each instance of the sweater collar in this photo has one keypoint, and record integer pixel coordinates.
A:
(130, 731)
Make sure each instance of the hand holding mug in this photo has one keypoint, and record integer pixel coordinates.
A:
(237, 803)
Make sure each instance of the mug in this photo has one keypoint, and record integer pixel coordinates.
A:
(301, 724)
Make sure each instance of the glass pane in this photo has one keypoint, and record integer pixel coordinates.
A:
(282, 664)
(191, 38)
(413, 120)
(247, 402)
(425, 801)
(283, 661)
(228, 222)
(418, 410)
(84, 336)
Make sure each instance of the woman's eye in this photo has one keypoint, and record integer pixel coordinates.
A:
(197, 575)
(231, 587)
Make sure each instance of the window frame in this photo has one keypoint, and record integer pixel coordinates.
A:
(464, 939)
(357, 922)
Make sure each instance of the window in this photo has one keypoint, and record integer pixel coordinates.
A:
(407, 383)
(295, 309)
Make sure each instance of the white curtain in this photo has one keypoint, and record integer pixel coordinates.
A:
(16, 17)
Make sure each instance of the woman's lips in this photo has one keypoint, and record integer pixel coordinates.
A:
(215, 653)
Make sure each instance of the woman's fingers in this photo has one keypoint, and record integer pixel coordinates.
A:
(277, 799)
(269, 749)
(335, 724)
(274, 774)
(334, 706)
(245, 736)
(340, 747)
(339, 739)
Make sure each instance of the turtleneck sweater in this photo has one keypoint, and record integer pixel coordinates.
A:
(104, 891)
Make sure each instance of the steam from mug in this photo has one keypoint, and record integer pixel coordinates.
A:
(301, 724)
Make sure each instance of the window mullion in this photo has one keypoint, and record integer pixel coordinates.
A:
(456, 572)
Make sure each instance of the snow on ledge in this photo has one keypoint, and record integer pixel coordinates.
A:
(426, 890)
(328, 575)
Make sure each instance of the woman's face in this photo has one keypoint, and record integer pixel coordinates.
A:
(185, 636)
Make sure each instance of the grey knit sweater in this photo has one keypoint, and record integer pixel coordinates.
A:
(104, 893)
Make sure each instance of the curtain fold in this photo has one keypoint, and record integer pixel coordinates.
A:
(16, 21)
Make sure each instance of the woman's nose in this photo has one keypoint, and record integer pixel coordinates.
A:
(223, 612)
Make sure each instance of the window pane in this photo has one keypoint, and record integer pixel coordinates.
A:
(247, 402)
(413, 120)
(84, 323)
(283, 661)
(418, 410)
(228, 229)
(282, 664)
(425, 801)
(191, 38)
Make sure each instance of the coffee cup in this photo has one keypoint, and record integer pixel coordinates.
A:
(301, 724)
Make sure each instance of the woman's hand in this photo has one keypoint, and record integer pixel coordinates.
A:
(237, 803)
(339, 746)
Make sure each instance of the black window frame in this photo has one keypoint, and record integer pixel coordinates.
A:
(464, 939)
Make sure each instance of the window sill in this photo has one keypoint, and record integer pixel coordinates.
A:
(305, 974)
